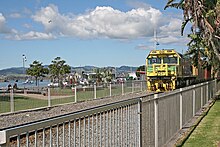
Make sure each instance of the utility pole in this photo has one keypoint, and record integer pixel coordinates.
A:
(156, 43)
(155, 39)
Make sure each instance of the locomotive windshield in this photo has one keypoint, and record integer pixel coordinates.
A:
(154, 61)
(170, 60)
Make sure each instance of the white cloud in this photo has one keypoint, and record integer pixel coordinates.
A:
(3, 28)
(169, 32)
(144, 47)
(138, 4)
(100, 22)
(15, 15)
(172, 28)
(15, 35)
(31, 36)
(27, 11)
(173, 40)
(2, 19)
(28, 26)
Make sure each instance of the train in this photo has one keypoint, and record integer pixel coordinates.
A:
(167, 70)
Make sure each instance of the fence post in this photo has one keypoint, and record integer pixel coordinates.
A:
(217, 82)
(194, 99)
(216, 90)
(132, 86)
(201, 95)
(156, 124)
(49, 99)
(3, 139)
(110, 89)
(25, 91)
(207, 92)
(139, 122)
(75, 93)
(12, 106)
(141, 86)
(122, 88)
(181, 108)
(94, 90)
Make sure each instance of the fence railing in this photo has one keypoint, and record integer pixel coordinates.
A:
(150, 120)
(30, 98)
(110, 125)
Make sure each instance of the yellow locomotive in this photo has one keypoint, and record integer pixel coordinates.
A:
(165, 69)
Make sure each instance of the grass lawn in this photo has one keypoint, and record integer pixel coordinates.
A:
(20, 103)
(207, 133)
(25, 102)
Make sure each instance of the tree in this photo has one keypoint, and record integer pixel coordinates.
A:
(107, 74)
(103, 74)
(140, 68)
(37, 70)
(196, 50)
(58, 69)
(99, 75)
(205, 18)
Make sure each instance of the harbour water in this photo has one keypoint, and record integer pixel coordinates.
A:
(22, 84)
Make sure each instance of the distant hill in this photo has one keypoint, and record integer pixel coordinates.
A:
(12, 71)
(83, 68)
(122, 69)
(126, 69)
(20, 70)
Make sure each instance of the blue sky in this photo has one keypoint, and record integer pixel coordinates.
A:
(98, 32)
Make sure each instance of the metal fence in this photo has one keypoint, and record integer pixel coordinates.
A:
(115, 124)
(34, 97)
(150, 120)
(165, 113)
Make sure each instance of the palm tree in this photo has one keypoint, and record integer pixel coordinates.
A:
(205, 18)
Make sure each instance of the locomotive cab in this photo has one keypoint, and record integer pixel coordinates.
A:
(162, 69)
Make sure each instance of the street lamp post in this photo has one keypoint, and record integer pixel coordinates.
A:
(24, 59)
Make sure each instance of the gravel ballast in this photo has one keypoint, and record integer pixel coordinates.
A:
(23, 117)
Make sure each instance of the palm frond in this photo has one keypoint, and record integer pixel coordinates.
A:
(170, 1)
(181, 2)
(190, 42)
(174, 5)
(168, 4)
(184, 23)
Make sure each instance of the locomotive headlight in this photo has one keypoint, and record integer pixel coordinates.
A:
(173, 78)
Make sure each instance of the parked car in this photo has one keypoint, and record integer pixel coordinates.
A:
(83, 82)
(53, 84)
